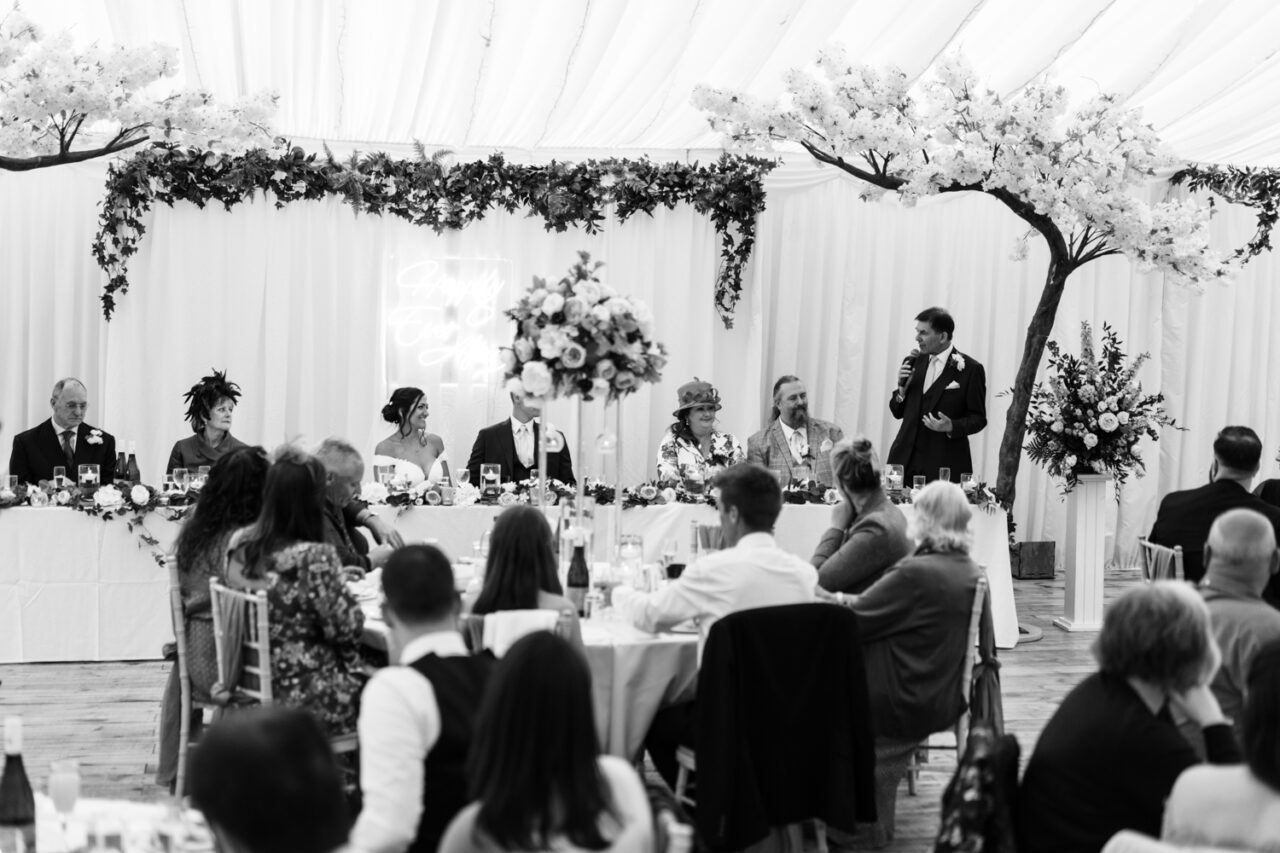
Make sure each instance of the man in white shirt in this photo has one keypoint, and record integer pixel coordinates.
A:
(416, 718)
(752, 571)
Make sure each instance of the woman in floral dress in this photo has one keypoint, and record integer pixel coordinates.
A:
(693, 450)
(315, 622)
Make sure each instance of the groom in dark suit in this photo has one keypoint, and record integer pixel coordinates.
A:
(941, 400)
(64, 439)
(513, 444)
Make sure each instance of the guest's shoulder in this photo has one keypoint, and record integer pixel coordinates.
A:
(1205, 783)
(551, 601)
(30, 434)
(760, 437)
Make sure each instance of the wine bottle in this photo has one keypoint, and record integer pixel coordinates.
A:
(131, 468)
(122, 468)
(579, 580)
(17, 804)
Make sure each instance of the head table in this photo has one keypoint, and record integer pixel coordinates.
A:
(77, 588)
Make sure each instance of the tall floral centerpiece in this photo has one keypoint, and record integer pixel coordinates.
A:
(579, 337)
(1089, 415)
(1084, 424)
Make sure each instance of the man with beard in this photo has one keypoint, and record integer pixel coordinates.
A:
(794, 446)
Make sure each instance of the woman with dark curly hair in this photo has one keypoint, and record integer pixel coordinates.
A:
(231, 499)
(415, 453)
(1110, 754)
(210, 403)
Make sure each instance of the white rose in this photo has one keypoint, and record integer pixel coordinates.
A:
(1108, 422)
(553, 303)
(618, 306)
(599, 386)
(601, 315)
(523, 349)
(1123, 418)
(552, 342)
(139, 494)
(1090, 440)
(588, 290)
(574, 309)
(1069, 461)
(573, 356)
(1057, 427)
(536, 379)
(605, 368)
(108, 497)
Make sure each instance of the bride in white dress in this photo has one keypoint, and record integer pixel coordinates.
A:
(415, 453)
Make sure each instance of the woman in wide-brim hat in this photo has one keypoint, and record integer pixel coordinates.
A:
(693, 449)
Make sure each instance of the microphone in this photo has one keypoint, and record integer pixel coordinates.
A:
(906, 363)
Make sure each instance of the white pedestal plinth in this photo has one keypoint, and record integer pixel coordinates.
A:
(1085, 556)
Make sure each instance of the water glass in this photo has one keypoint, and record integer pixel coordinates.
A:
(88, 475)
(490, 478)
(64, 790)
(11, 482)
(968, 483)
(59, 476)
(446, 495)
(893, 475)
(169, 485)
(944, 474)
(181, 479)
(382, 474)
(917, 482)
(631, 556)
(668, 553)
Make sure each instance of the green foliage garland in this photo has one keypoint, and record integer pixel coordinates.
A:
(1256, 188)
(427, 192)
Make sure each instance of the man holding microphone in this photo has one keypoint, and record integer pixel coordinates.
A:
(941, 400)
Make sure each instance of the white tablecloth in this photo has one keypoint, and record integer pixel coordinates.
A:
(73, 587)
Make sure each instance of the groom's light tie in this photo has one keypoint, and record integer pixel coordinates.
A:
(524, 445)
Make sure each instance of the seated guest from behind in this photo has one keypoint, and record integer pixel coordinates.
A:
(266, 782)
(914, 624)
(210, 404)
(344, 514)
(64, 440)
(513, 444)
(792, 444)
(1237, 807)
(751, 571)
(868, 534)
(1110, 754)
(521, 570)
(231, 499)
(1240, 558)
(1184, 517)
(315, 622)
(416, 454)
(1269, 490)
(535, 770)
(693, 450)
(416, 719)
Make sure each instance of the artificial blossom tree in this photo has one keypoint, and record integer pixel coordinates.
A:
(1073, 173)
(54, 94)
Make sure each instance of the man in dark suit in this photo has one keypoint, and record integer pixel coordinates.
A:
(1185, 517)
(941, 400)
(64, 439)
(513, 444)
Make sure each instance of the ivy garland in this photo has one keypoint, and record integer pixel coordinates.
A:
(1256, 188)
(428, 192)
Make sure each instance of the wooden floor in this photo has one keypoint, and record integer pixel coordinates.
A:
(105, 714)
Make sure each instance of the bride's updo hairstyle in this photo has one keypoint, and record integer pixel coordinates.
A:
(856, 465)
(402, 402)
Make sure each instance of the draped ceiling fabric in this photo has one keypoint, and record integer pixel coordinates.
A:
(307, 307)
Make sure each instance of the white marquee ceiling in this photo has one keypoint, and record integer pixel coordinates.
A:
(617, 74)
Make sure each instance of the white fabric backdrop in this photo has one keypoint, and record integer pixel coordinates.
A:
(295, 305)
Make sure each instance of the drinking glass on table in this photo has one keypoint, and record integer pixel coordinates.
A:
(968, 483)
(917, 482)
(382, 474)
(59, 476)
(944, 474)
(87, 475)
(64, 788)
(893, 474)
(631, 557)
(667, 555)
(11, 482)
(181, 479)
(463, 476)
(169, 486)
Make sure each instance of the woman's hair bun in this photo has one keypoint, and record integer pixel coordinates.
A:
(861, 445)
(390, 413)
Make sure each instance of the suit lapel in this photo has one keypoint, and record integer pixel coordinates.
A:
(781, 448)
(933, 395)
(507, 441)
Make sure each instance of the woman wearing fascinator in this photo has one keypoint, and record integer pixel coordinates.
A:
(415, 453)
(693, 449)
(210, 404)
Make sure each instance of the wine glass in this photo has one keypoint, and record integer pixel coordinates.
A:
(181, 479)
(464, 476)
(967, 482)
(668, 553)
(59, 476)
(64, 788)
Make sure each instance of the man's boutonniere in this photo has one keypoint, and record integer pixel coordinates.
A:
(95, 436)
(958, 359)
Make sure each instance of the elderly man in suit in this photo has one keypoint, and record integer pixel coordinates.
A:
(941, 400)
(513, 444)
(794, 446)
(63, 440)
(1185, 517)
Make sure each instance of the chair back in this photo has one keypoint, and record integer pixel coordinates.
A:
(970, 657)
(179, 617)
(242, 637)
(499, 631)
(1160, 563)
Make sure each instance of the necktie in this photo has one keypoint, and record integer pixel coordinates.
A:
(68, 452)
(935, 369)
(799, 447)
(524, 445)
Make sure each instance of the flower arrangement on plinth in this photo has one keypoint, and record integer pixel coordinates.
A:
(579, 337)
(1089, 415)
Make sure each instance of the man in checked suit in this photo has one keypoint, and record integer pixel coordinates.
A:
(64, 439)
(513, 444)
(941, 400)
(794, 446)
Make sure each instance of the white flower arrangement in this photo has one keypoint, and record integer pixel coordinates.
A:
(1089, 415)
(373, 493)
(108, 498)
(578, 337)
(140, 495)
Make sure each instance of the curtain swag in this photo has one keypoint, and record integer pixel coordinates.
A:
(429, 191)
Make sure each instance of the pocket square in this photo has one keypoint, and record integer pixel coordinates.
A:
(952, 386)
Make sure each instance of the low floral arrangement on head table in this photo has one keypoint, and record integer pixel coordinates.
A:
(1088, 417)
(580, 337)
